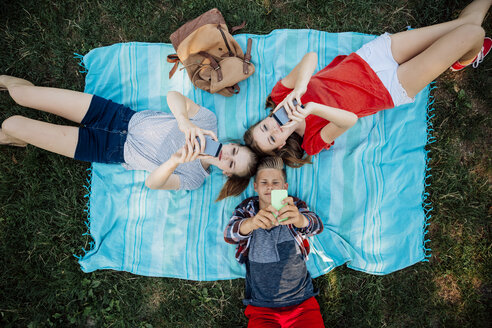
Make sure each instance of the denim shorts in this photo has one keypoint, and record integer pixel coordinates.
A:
(103, 132)
(377, 53)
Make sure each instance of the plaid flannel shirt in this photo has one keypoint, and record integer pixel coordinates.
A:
(249, 207)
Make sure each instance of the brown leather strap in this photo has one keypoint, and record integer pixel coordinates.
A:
(247, 58)
(225, 40)
(239, 27)
(173, 59)
(173, 70)
(234, 89)
(213, 63)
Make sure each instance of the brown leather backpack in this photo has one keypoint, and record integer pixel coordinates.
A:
(212, 58)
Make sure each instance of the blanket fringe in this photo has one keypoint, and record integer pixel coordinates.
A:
(427, 205)
(81, 62)
(87, 207)
(87, 184)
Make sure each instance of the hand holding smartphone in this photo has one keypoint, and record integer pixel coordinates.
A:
(281, 114)
(277, 197)
(212, 147)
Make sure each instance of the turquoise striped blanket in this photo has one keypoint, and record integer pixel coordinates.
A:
(368, 189)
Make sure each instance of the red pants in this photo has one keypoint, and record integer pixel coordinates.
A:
(306, 314)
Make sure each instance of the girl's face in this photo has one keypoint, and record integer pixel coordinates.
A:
(269, 135)
(234, 159)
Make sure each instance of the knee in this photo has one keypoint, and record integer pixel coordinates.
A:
(471, 32)
(12, 124)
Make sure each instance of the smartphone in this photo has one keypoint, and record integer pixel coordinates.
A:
(212, 147)
(277, 197)
(281, 114)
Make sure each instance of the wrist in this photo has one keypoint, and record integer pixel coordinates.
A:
(303, 222)
(311, 108)
(246, 227)
(174, 160)
(301, 88)
(182, 121)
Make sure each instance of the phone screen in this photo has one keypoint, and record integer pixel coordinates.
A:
(281, 114)
(277, 197)
(212, 147)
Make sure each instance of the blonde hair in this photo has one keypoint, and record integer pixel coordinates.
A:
(272, 162)
(236, 184)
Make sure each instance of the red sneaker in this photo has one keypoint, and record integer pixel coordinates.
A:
(487, 44)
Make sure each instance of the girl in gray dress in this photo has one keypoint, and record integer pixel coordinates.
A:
(170, 146)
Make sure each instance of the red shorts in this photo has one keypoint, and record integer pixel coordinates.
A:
(306, 314)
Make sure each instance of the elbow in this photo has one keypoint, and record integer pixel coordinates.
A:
(150, 185)
(352, 120)
(312, 55)
(172, 94)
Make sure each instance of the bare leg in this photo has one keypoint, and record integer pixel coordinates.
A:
(69, 104)
(58, 139)
(464, 43)
(408, 44)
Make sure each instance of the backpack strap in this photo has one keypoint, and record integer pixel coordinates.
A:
(247, 58)
(234, 89)
(231, 54)
(213, 63)
(173, 59)
(238, 27)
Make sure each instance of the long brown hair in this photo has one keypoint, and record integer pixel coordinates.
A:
(291, 153)
(236, 184)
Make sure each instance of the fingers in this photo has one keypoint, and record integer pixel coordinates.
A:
(287, 217)
(271, 209)
(204, 156)
(278, 107)
(210, 133)
(266, 218)
(289, 209)
(193, 133)
(189, 152)
(288, 125)
(264, 223)
(181, 154)
(196, 150)
(202, 142)
(286, 220)
(288, 212)
(288, 201)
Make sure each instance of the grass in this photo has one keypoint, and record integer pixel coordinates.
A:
(42, 195)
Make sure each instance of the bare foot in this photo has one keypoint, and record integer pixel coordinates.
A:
(7, 80)
(7, 140)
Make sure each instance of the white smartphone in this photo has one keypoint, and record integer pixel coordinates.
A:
(278, 196)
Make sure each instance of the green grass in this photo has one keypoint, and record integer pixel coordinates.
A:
(42, 195)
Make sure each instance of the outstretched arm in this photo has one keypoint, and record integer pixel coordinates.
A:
(163, 177)
(340, 120)
(298, 79)
(183, 108)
